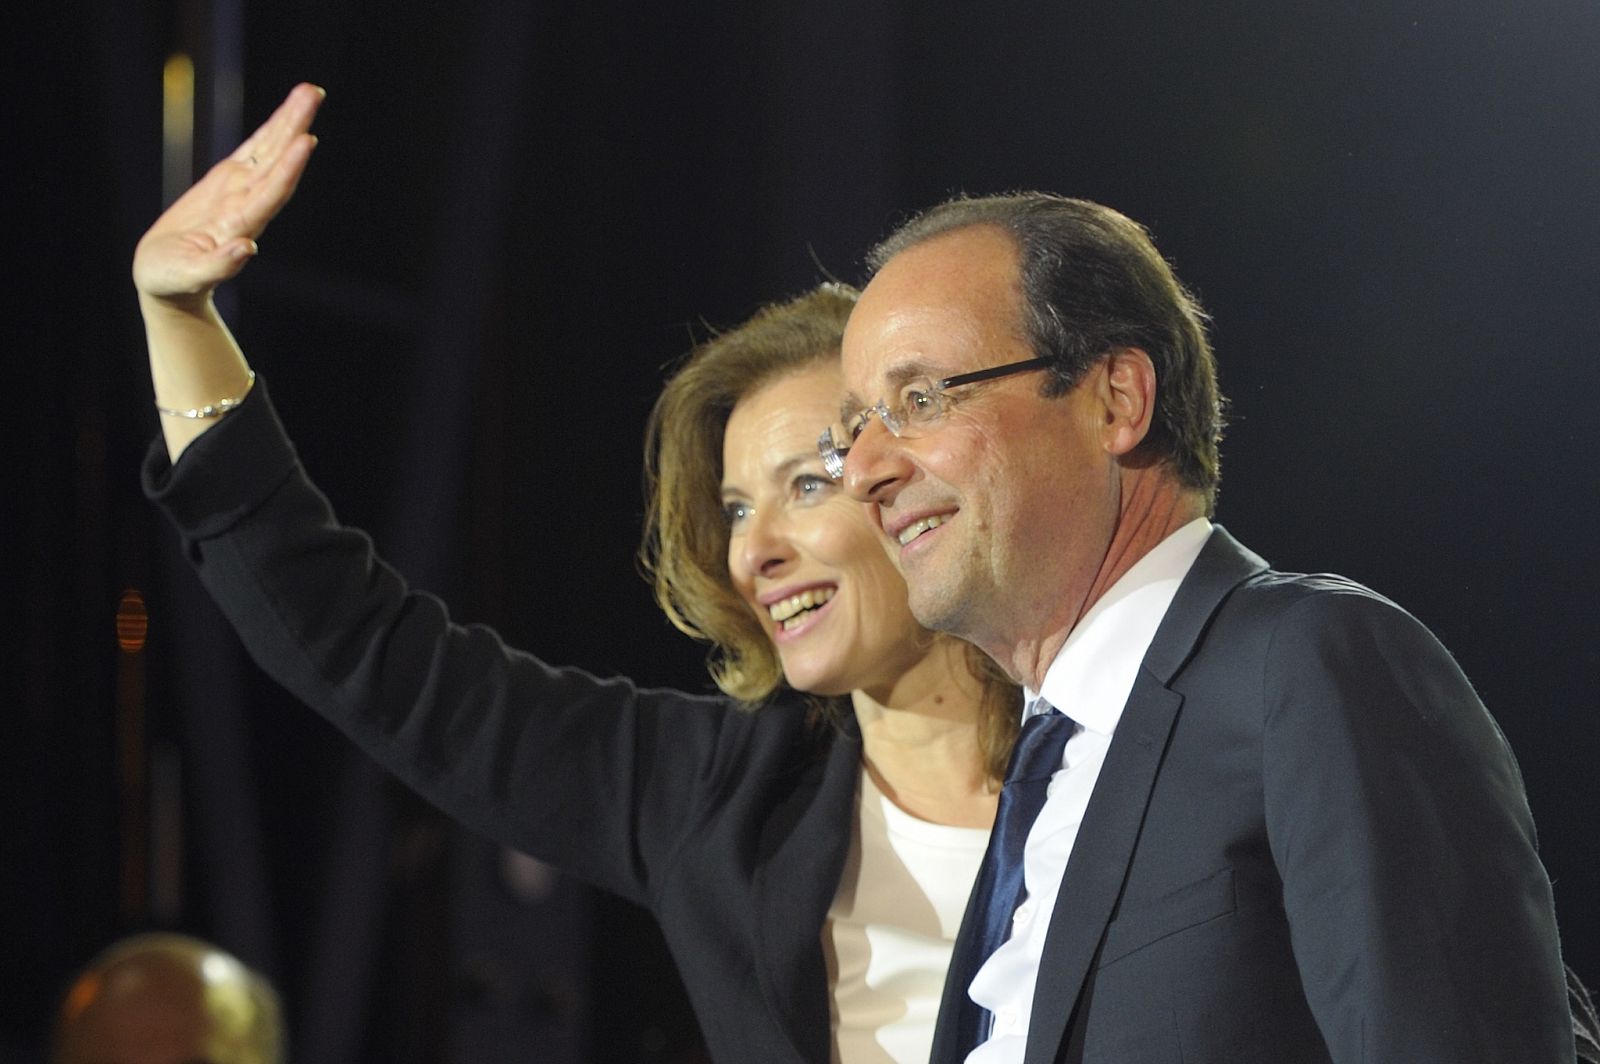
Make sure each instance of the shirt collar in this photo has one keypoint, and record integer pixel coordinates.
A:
(1094, 670)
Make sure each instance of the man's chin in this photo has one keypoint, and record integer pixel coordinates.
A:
(936, 608)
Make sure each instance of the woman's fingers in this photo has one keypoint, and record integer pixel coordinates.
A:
(293, 117)
(253, 193)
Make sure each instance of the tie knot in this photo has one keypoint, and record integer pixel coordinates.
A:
(1038, 751)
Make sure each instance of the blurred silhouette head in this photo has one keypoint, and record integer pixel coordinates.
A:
(168, 999)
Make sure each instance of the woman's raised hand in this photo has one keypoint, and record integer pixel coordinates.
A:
(210, 232)
(203, 239)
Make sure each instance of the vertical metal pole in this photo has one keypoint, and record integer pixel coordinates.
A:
(210, 683)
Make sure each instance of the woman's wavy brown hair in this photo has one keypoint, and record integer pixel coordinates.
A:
(685, 549)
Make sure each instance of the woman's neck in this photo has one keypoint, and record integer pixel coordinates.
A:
(920, 741)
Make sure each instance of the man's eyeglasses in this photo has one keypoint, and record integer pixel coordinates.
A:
(919, 405)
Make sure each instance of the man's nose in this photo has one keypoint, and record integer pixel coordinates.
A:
(876, 467)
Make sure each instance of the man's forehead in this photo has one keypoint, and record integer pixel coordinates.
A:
(959, 282)
(929, 341)
(904, 334)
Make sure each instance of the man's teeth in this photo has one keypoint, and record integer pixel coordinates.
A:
(917, 528)
(796, 604)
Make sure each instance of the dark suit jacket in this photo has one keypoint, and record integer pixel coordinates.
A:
(1309, 842)
(730, 826)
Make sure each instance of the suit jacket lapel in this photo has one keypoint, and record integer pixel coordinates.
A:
(1111, 824)
(800, 857)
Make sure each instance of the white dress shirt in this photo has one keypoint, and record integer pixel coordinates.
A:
(1089, 681)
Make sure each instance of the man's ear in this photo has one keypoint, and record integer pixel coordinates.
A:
(1127, 391)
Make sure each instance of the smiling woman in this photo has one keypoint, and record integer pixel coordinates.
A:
(809, 869)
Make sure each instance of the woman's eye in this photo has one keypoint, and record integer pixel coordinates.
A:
(807, 485)
(734, 512)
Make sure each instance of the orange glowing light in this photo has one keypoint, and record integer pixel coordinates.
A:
(133, 621)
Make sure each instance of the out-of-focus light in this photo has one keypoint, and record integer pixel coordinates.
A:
(133, 621)
(177, 126)
(218, 967)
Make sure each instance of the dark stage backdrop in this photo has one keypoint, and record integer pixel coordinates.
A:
(521, 212)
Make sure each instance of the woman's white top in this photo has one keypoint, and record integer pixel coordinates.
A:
(892, 926)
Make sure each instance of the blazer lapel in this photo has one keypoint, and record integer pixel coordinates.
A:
(801, 854)
(1100, 857)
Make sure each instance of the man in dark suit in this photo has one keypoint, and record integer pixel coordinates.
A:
(1282, 827)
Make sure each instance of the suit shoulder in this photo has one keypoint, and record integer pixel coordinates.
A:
(1288, 616)
(787, 733)
(1277, 593)
(1308, 624)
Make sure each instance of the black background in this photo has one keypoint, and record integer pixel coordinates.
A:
(520, 213)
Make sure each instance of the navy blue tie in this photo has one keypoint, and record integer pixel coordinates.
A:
(999, 888)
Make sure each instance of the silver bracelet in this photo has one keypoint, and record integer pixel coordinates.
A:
(211, 410)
